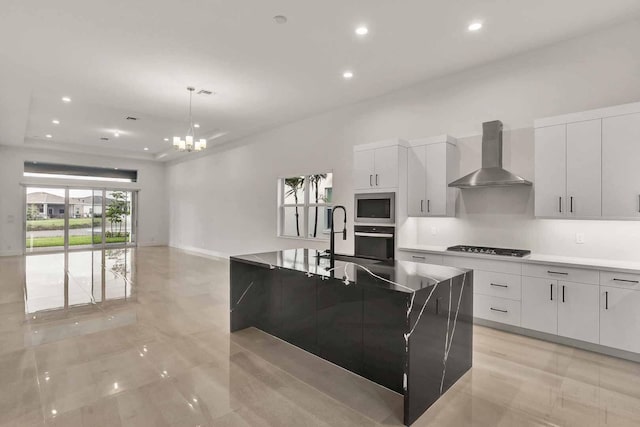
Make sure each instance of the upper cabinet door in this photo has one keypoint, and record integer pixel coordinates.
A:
(364, 169)
(584, 167)
(621, 166)
(416, 182)
(551, 171)
(436, 168)
(386, 167)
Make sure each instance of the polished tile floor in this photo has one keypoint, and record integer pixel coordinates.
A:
(144, 341)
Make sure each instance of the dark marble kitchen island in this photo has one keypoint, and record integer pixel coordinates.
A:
(406, 326)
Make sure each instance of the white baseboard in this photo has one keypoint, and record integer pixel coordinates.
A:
(11, 253)
(201, 252)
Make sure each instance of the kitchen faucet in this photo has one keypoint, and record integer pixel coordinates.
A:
(332, 239)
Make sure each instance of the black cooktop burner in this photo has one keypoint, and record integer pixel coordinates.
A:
(489, 251)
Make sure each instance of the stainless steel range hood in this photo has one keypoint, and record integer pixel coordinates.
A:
(491, 173)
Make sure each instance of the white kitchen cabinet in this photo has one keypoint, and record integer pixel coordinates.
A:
(578, 311)
(376, 168)
(363, 168)
(430, 169)
(540, 304)
(620, 318)
(621, 166)
(550, 171)
(416, 182)
(568, 170)
(584, 169)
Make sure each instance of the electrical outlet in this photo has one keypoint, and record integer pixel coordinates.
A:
(434, 230)
(579, 238)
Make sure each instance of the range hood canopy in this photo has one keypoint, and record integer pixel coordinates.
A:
(491, 174)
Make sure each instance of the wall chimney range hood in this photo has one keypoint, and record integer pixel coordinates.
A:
(491, 174)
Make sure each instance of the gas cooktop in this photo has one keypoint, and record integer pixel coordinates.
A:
(490, 251)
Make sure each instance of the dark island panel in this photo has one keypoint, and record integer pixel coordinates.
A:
(414, 339)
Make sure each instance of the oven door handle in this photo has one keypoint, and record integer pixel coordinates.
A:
(385, 235)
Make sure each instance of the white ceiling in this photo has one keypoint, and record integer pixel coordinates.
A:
(135, 58)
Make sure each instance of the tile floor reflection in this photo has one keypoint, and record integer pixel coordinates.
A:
(147, 344)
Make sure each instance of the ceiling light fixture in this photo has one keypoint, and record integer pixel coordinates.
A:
(55, 121)
(146, 148)
(116, 133)
(362, 31)
(347, 75)
(66, 99)
(189, 143)
(48, 136)
(475, 26)
(196, 125)
(166, 139)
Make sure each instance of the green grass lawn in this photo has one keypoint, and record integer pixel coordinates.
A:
(58, 224)
(48, 242)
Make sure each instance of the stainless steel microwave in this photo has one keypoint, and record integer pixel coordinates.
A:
(375, 208)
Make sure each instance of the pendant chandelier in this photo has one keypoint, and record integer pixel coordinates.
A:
(189, 143)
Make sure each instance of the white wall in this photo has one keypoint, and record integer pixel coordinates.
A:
(226, 202)
(152, 214)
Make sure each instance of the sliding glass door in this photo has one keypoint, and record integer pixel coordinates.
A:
(61, 218)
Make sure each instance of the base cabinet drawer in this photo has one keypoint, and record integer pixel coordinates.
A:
(620, 280)
(420, 257)
(497, 284)
(496, 309)
(620, 318)
(569, 274)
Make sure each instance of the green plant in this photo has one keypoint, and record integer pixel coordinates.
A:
(295, 184)
(315, 182)
(117, 210)
(32, 212)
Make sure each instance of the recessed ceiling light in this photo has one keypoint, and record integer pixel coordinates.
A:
(196, 125)
(347, 75)
(166, 139)
(55, 121)
(280, 19)
(475, 26)
(116, 134)
(146, 148)
(48, 136)
(362, 31)
(66, 99)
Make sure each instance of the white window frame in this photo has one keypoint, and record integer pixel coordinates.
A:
(306, 205)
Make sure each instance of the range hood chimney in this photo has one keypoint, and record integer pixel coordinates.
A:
(491, 174)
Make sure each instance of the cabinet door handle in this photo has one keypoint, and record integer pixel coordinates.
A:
(625, 280)
(557, 272)
(571, 204)
(606, 300)
(638, 202)
(370, 180)
(421, 205)
(437, 305)
(377, 179)
(428, 205)
(562, 293)
(417, 257)
(498, 285)
(560, 204)
(497, 309)
(551, 291)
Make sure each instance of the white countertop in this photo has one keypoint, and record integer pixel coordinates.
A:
(534, 258)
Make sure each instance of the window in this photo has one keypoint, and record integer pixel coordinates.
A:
(305, 204)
